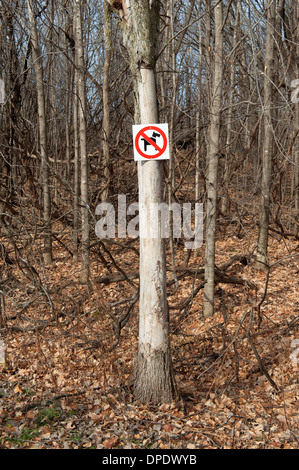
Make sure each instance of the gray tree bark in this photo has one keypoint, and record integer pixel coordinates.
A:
(296, 150)
(82, 138)
(198, 112)
(76, 157)
(212, 162)
(153, 376)
(235, 26)
(106, 101)
(38, 67)
(262, 249)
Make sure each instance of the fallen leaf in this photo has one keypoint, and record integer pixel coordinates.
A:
(191, 446)
(109, 443)
(95, 418)
(168, 428)
(31, 414)
(17, 389)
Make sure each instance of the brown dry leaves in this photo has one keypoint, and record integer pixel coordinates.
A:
(62, 388)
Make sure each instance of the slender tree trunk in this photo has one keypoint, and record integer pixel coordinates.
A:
(83, 145)
(52, 135)
(153, 376)
(164, 62)
(212, 157)
(172, 113)
(262, 249)
(106, 101)
(198, 113)
(172, 119)
(76, 158)
(68, 100)
(296, 150)
(38, 67)
(208, 53)
(235, 26)
(14, 102)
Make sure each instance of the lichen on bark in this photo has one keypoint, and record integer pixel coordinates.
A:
(140, 33)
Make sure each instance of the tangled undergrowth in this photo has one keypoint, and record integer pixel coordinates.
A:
(66, 378)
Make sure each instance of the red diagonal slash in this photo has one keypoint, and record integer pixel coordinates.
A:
(150, 141)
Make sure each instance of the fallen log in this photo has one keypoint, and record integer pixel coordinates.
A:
(220, 275)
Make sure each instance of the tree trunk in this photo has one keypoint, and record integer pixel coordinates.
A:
(296, 150)
(38, 67)
(235, 27)
(153, 376)
(50, 104)
(82, 138)
(106, 102)
(262, 249)
(212, 157)
(68, 96)
(198, 112)
(76, 158)
(208, 53)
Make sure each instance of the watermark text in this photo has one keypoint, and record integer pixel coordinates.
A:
(153, 220)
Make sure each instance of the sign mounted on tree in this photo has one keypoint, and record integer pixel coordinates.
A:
(151, 142)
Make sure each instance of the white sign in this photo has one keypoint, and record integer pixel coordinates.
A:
(151, 142)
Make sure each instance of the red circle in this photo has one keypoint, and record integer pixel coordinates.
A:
(141, 133)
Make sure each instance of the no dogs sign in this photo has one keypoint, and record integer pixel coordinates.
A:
(151, 142)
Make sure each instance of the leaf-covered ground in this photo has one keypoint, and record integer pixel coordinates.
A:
(66, 380)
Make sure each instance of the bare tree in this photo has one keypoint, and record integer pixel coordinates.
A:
(106, 101)
(76, 155)
(262, 249)
(82, 138)
(153, 377)
(198, 111)
(296, 165)
(212, 165)
(38, 67)
(235, 27)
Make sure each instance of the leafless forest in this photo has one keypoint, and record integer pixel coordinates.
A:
(119, 342)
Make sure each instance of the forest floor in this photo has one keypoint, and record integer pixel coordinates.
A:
(66, 380)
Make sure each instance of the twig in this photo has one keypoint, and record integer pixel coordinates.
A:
(266, 285)
(262, 367)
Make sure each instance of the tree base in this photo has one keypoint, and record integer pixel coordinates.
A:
(153, 379)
